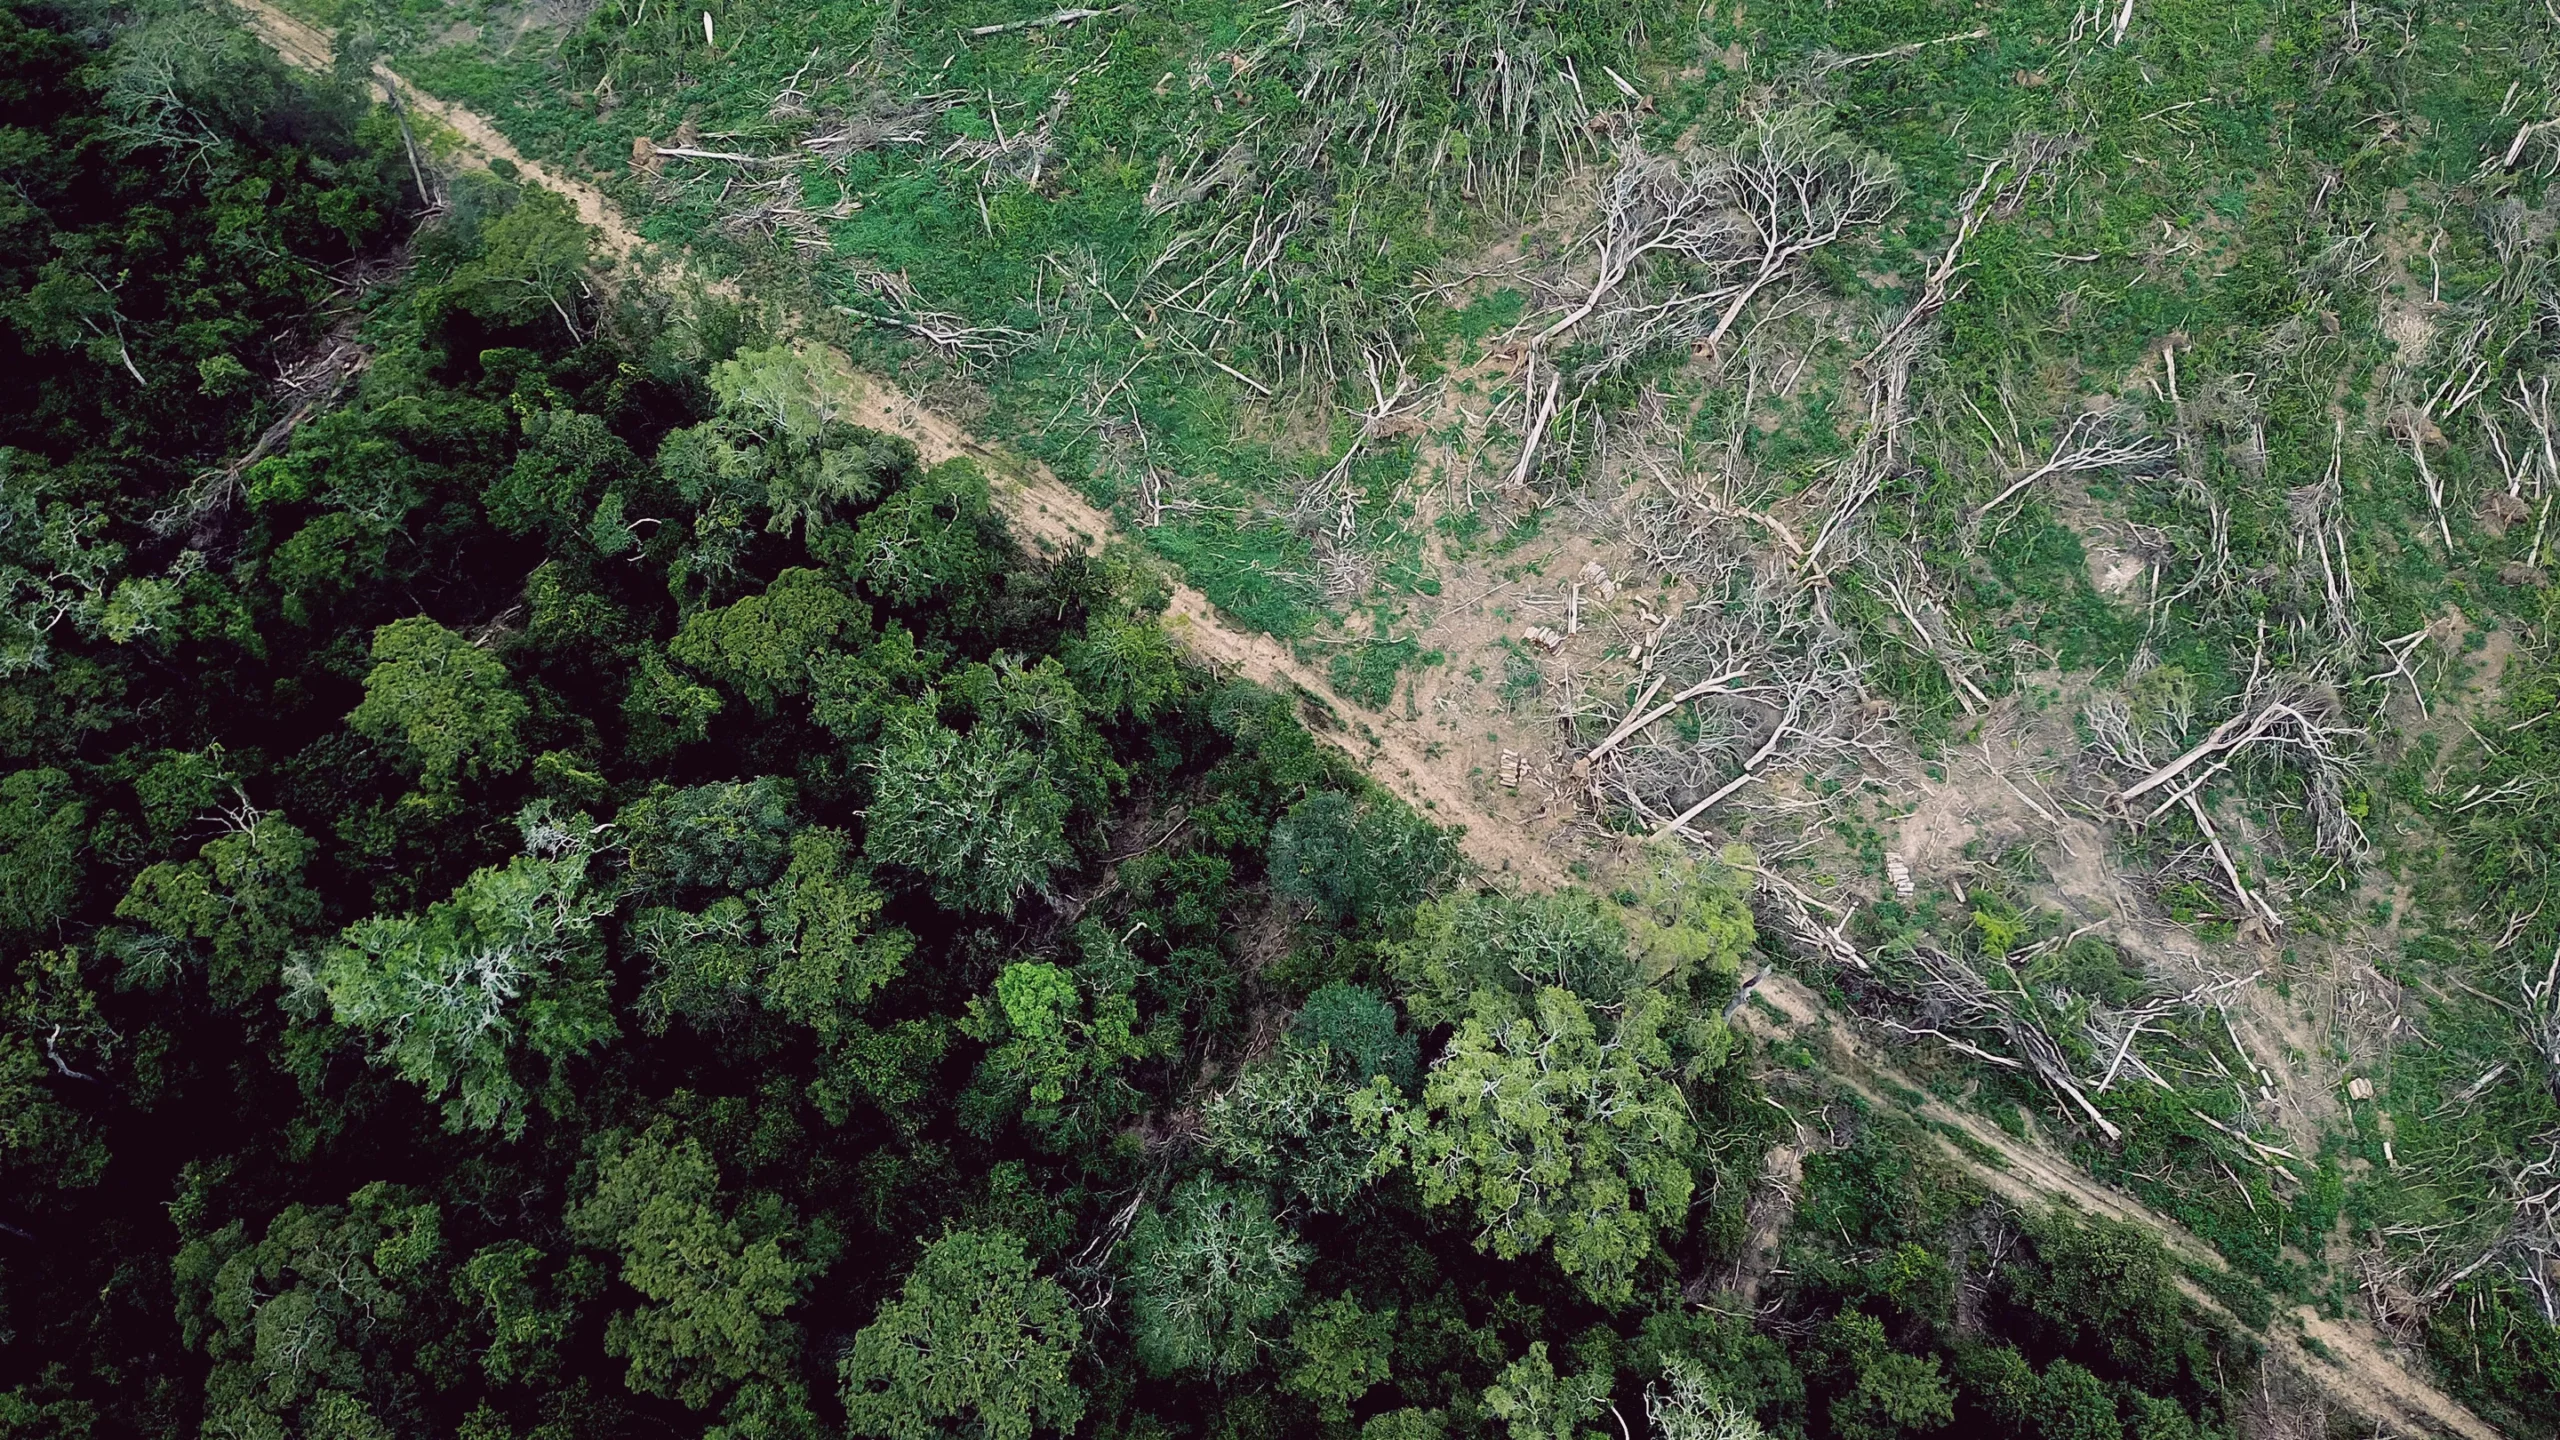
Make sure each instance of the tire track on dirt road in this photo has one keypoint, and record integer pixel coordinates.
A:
(1044, 511)
(2366, 1375)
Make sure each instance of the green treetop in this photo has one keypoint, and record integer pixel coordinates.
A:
(973, 1343)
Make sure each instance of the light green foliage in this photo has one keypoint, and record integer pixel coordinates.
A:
(1353, 859)
(1058, 1040)
(243, 898)
(781, 438)
(1685, 1406)
(447, 702)
(309, 1310)
(42, 825)
(1287, 1120)
(762, 646)
(1341, 1353)
(974, 1339)
(715, 1277)
(509, 966)
(936, 539)
(1518, 944)
(1127, 667)
(54, 564)
(138, 607)
(1037, 998)
(533, 264)
(1534, 1403)
(821, 922)
(1208, 1272)
(976, 814)
(1549, 1133)
(1691, 926)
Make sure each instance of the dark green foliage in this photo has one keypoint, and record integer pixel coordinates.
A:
(1211, 1272)
(1357, 862)
(714, 1277)
(973, 1337)
(1359, 1029)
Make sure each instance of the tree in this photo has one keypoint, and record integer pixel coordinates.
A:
(524, 1326)
(974, 1339)
(1126, 666)
(762, 646)
(1342, 1353)
(935, 541)
(1883, 1392)
(1534, 1403)
(510, 964)
(781, 430)
(826, 949)
(1287, 1120)
(1519, 944)
(2001, 1384)
(318, 1307)
(2108, 1286)
(568, 458)
(42, 825)
(1691, 925)
(2073, 1404)
(1685, 1406)
(1057, 1040)
(447, 702)
(727, 835)
(976, 814)
(716, 1278)
(243, 897)
(1548, 1133)
(532, 260)
(1208, 1270)
(1357, 860)
(2157, 1419)
(1894, 1394)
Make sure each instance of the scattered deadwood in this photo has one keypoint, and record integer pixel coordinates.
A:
(2093, 440)
(1047, 22)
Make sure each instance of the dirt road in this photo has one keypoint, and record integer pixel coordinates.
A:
(2366, 1374)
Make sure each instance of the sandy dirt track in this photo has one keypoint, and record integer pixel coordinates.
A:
(2366, 1374)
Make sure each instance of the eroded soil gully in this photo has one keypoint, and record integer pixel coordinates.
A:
(2365, 1375)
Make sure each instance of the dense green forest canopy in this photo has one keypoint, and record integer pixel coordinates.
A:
(553, 887)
